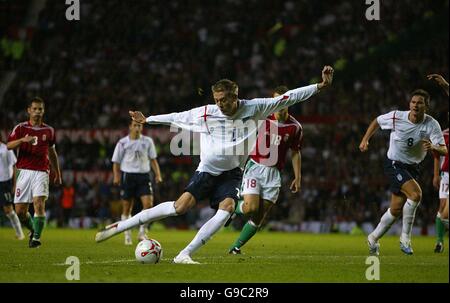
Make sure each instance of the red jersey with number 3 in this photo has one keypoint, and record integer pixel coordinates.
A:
(287, 135)
(444, 166)
(33, 156)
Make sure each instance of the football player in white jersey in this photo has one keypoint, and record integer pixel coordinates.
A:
(7, 171)
(133, 157)
(413, 134)
(225, 128)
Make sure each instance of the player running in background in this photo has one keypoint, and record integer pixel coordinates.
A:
(7, 171)
(224, 128)
(440, 179)
(413, 134)
(134, 157)
(35, 144)
(262, 180)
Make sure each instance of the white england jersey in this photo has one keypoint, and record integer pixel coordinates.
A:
(133, 155)
(225, 142)
(405, 143)
(7, 161)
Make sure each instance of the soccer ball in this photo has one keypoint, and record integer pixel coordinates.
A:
(148, 252)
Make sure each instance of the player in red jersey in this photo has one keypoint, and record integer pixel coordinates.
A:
(35, 145)
(262, 181)
(440, 179)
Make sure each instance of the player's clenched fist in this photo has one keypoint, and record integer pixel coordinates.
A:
(364, 146)
(29, 139)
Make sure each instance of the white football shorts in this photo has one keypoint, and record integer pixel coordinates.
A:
(261, 180)
(443, 189)
(29, 184)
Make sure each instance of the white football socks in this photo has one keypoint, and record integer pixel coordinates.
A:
(158, 212)
(385, 223)
(127, 232)
(15, 222)
(142, 229)
(206, 231)
(409, 213)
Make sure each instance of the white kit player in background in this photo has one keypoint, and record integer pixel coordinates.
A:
(413, 134)
(225, 131)
(134, 157)
(7, 172)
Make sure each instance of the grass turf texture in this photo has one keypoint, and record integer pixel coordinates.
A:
(268, 257)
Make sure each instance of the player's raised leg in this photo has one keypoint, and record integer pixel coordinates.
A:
(163, 210)
(226, 208)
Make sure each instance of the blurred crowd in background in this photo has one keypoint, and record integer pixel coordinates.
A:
(161, 57)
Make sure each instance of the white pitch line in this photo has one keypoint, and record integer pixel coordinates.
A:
(98, 262)
(249, 257)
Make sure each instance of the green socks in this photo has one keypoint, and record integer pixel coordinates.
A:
(38, 224)
(440, 229)
(28, 222)
(248, 231)
(238, 208)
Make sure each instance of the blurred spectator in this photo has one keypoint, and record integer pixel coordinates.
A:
(67, 201)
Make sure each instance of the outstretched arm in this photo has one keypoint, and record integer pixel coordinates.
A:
(189, 120)
(157, 119)
(327, 77)
(373, 127)
(267, 106)
(440, 80)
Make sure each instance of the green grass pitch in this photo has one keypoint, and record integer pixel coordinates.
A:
(269, 257)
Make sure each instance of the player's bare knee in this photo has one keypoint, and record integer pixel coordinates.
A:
(184, 203)
(227, 205)
(250, 208)
(416, 196)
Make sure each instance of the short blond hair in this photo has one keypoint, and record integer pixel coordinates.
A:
(227, 86)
